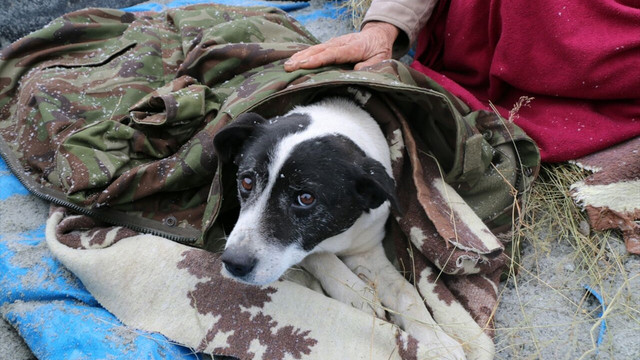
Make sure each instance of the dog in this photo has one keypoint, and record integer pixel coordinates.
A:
(315, 188)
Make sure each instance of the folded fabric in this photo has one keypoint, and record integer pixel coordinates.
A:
(153, 283)
(611, 196)
(575, 64)
(567, 73)
(125, 111)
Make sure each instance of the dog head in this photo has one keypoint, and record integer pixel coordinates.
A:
(300, 184)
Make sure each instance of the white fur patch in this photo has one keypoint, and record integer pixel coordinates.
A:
(329, 117)
(340, 117)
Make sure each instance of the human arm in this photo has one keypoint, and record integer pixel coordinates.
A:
(388, 29)
(409, 16)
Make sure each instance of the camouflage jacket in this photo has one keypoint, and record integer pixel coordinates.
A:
(112, 114)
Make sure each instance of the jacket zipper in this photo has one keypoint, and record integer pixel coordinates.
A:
(116, 218)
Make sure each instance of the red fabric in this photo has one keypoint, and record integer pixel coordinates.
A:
(580, 60)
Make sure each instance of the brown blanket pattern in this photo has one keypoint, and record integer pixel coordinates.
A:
(611, 195)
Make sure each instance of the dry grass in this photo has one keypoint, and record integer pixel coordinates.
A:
(546, 311)
(550, 209)
(355, 10)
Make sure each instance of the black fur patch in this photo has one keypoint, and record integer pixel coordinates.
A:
(253, 158)
(251, 129)
(331, 168)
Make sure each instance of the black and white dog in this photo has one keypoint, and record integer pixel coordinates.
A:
(315, 189)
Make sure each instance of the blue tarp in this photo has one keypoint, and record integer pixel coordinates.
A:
(286, 6)
(51, 309)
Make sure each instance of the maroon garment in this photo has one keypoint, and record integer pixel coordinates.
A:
(580, 60)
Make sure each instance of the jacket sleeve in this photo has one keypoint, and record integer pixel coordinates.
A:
(409, 16)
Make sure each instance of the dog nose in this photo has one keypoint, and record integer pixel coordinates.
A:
(238, 265)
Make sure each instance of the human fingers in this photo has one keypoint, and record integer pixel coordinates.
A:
(371, 45)
(310, 51)
(333, 55)
(343, 49)
(371, 61)
(302, 57)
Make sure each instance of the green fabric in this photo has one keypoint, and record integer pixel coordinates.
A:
(108, 111)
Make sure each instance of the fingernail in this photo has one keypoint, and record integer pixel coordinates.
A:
(288, 62)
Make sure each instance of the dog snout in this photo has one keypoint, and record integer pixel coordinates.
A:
(238, 264)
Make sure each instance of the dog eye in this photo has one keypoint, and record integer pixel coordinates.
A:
(306, 199)
(246, 183)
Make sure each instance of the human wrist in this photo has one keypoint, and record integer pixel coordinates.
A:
(388, 31)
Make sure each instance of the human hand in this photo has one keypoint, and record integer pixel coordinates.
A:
(374, 43)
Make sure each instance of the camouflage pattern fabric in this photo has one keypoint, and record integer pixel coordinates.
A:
(112, 115)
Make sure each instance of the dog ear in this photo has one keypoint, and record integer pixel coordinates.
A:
(374, 186)
(229, 140)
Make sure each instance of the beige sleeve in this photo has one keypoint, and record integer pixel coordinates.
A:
(409, 16)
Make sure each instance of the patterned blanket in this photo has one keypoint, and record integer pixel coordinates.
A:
(611, 196)
(111, 114)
